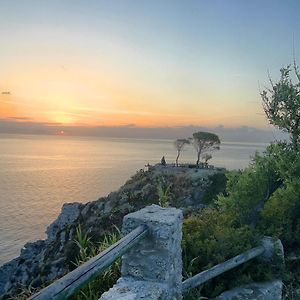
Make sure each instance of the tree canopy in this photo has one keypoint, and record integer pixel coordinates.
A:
(282, 104)
(179, 145)
(203, 142)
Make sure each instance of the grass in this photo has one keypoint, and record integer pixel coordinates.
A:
(87, 250)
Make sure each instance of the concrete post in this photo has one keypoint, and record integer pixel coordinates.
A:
(273, 255)
(152, 270)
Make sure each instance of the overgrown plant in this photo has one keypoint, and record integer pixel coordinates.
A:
(163, 192)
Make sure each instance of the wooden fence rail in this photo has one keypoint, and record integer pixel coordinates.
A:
(204, 276)
(75, 280)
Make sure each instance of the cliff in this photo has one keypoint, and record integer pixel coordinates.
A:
(43, 261)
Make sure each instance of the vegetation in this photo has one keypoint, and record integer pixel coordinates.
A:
(282, 103)
(263, 199)
(179, 145)
(210, 239)
(87, 250)
(203, 142)
(163, 191)
(206, 157)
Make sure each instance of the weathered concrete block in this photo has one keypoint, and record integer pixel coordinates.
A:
(272, 248)
(255, 291)
(130, 289)
(156, 260)
(273, 255)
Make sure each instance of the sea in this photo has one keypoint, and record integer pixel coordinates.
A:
(38, 174)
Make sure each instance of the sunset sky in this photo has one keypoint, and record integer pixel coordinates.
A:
(142, 63)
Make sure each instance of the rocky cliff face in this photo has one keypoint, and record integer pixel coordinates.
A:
(43, 261)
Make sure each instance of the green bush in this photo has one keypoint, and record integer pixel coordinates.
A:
(209, 239)
(216, 187)
(281, 215)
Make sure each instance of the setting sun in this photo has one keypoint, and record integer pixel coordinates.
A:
(61, 118)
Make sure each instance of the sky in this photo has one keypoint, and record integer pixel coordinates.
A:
(145, 64)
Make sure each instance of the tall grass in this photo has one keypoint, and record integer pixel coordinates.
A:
(87, 250)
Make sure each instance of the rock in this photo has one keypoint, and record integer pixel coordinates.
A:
(255, 291)
(107, 207)
(30, 250)
(70, 212)
(135, 290)
(5, 270)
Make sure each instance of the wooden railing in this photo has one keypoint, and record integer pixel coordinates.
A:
(204, 276)
(75, 280)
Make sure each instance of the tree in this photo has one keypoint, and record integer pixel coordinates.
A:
(179, 145)
(203, 142)
(281, 104)
(206, 157)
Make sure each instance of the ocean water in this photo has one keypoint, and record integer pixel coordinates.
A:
(40, 173)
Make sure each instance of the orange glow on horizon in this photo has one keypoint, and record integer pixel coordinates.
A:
(7, 107)
(84, 97)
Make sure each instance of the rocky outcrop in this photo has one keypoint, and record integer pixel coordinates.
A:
(69, 213)
(255, 291)
(43, 261)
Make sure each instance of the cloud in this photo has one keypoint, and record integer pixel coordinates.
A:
(21, 118)
(129, 125)
(239, 134)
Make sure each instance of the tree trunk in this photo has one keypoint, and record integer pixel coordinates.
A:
(198, 159)
(254, 216)
(178, 153)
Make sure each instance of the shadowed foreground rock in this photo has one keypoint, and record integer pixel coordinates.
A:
(255, 291)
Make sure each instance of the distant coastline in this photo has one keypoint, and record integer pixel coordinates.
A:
(238, 134)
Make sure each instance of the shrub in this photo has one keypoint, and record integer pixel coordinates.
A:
(210, 238)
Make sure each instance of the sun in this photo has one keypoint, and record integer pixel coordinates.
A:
(62, 117)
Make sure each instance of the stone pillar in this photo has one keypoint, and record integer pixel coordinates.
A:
(273, 255)
(153, 268)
